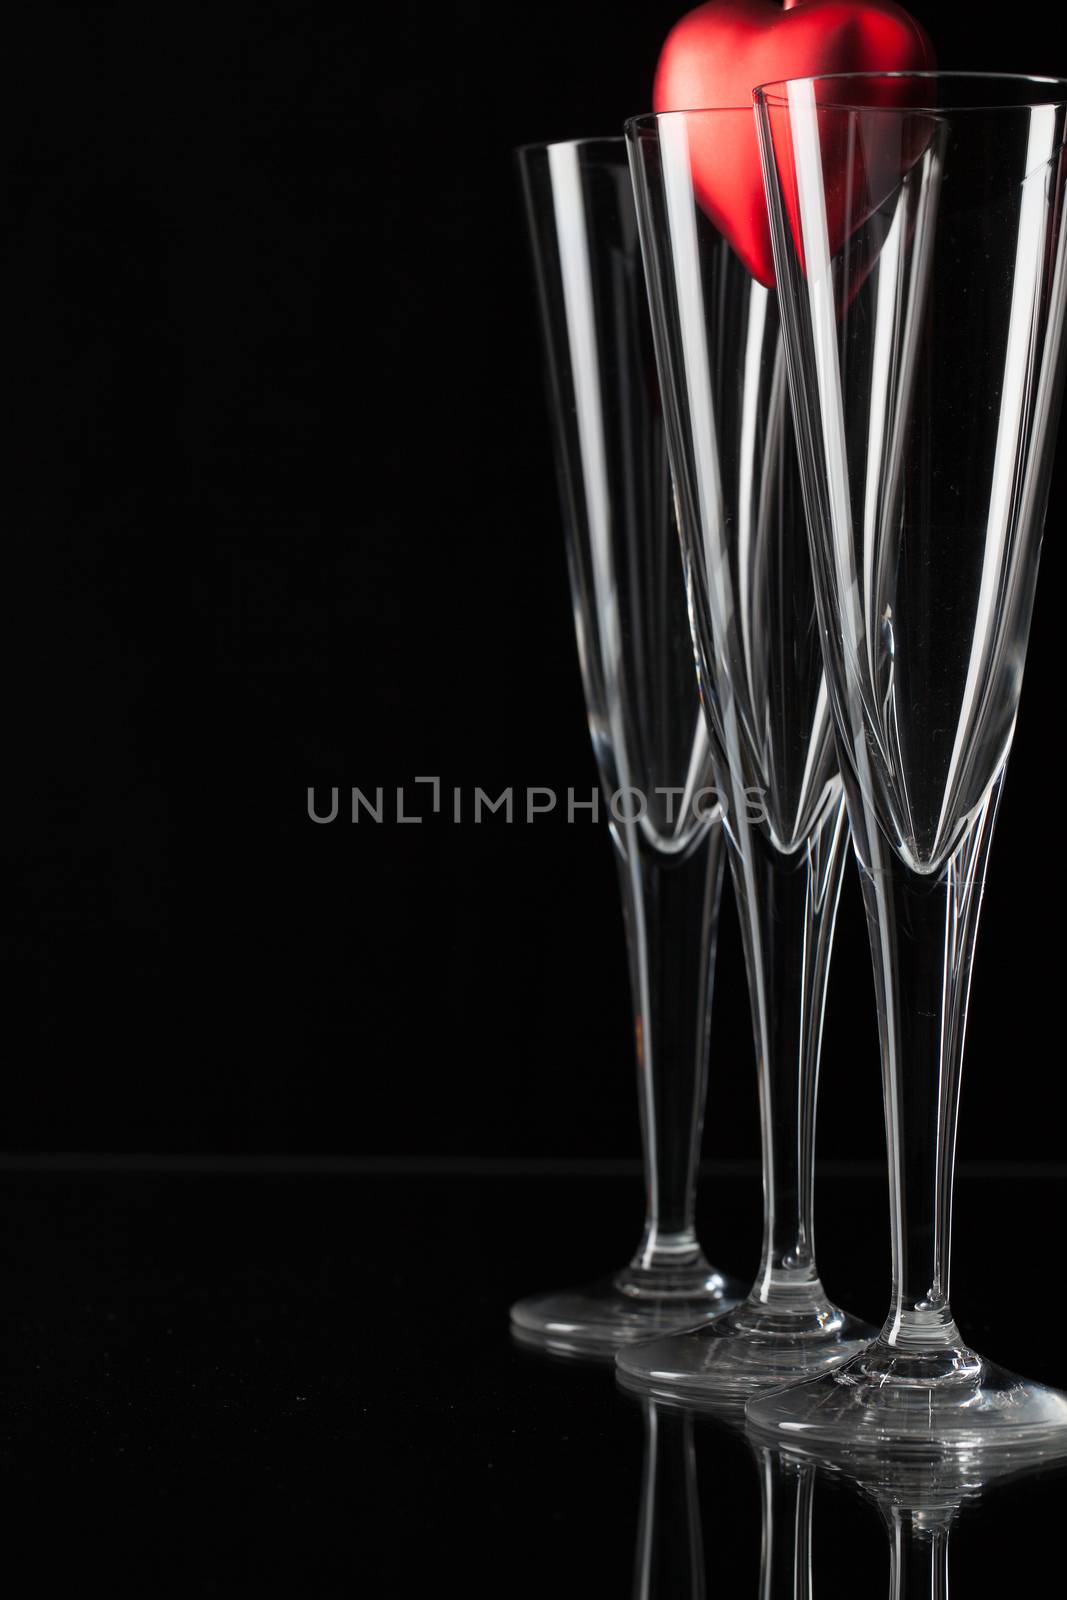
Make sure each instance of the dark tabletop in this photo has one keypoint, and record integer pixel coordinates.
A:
(227, 1383)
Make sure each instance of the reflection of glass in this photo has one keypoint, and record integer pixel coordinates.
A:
(920, 1499)
(670, 1543)
(922, 263)
(669, 1564)
(691, 1470)
(730, 433)
(644, 716)
(788, 1488)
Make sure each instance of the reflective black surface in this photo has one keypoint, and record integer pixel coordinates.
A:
(293, 1383)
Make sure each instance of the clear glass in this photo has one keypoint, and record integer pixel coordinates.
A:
(644, 717)
(919, 239)
(730, 436)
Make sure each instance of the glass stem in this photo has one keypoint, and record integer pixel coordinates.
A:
(923, 929)
(671, 907)
(918, 1557)
(788, 908)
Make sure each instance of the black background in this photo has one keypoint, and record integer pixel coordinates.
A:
(280, 512)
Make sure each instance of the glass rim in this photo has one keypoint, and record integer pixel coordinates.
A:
(646, 120)
(539, 146)
(764, 93)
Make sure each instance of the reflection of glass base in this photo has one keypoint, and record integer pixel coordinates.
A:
(868, 1405)
(600, 1318)
(927, 1486)
(749, 1348)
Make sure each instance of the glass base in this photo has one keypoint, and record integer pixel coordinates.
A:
(634, 1305)
(752, 1347)
(885, 1403)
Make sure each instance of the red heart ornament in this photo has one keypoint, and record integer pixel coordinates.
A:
(720, 52)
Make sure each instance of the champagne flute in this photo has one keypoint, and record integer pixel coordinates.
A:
(921, 257)
(644, 718)
(730, 433)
